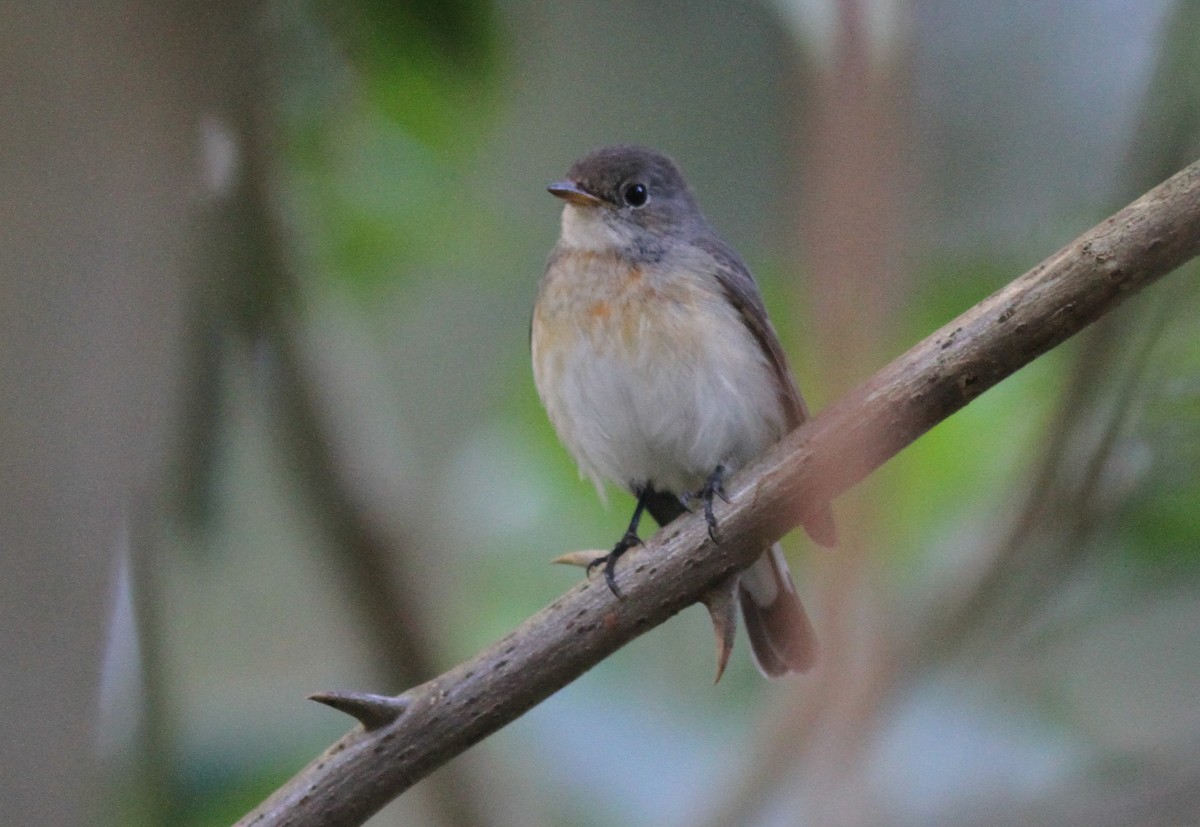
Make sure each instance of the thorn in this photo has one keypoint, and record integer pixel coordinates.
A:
(372, 711)
(721, 602)
(583, 559)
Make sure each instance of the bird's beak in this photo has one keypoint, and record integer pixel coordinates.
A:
(571, 192)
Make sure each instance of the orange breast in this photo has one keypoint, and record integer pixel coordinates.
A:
(612, 303)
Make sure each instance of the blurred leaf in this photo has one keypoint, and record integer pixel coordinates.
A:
(427, 65)
(375, 172)
(375, 206)
(213, 798)
(1161, 518)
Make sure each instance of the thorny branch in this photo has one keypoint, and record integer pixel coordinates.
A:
(403, 739)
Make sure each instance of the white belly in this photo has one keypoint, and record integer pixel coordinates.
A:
(686, 389)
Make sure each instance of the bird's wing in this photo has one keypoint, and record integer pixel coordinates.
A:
(742, 292)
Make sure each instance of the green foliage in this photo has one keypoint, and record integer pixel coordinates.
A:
(372, 200)
(222, 798)
(1160, 520)
(428, 65)
(376, 139)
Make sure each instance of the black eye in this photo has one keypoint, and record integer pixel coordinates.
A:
(635, 195)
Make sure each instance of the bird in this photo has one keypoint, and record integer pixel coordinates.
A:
(660, 372)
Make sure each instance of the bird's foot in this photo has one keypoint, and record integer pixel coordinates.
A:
(713, 487)
(610, 560)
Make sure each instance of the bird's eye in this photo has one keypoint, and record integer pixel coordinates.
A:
(635, 195)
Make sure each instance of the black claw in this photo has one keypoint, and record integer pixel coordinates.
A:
(711, 519)
(610, 566)
(610, 560)
(714, 486)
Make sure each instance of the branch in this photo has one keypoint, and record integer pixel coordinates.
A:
(405, 740)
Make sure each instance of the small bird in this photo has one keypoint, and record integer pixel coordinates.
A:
(658, 367)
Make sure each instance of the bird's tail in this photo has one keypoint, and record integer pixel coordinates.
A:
(781, 635)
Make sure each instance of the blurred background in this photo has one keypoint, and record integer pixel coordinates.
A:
(266, 273)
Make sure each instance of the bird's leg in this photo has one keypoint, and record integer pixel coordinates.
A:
(623, 545)
(714, 486)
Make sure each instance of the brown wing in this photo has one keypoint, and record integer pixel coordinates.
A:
(742, 292)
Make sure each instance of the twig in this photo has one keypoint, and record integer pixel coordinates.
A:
(368, 767)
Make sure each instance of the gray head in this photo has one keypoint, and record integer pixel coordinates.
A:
(627, 189)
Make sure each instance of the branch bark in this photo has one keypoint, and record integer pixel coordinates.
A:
(404, 739)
